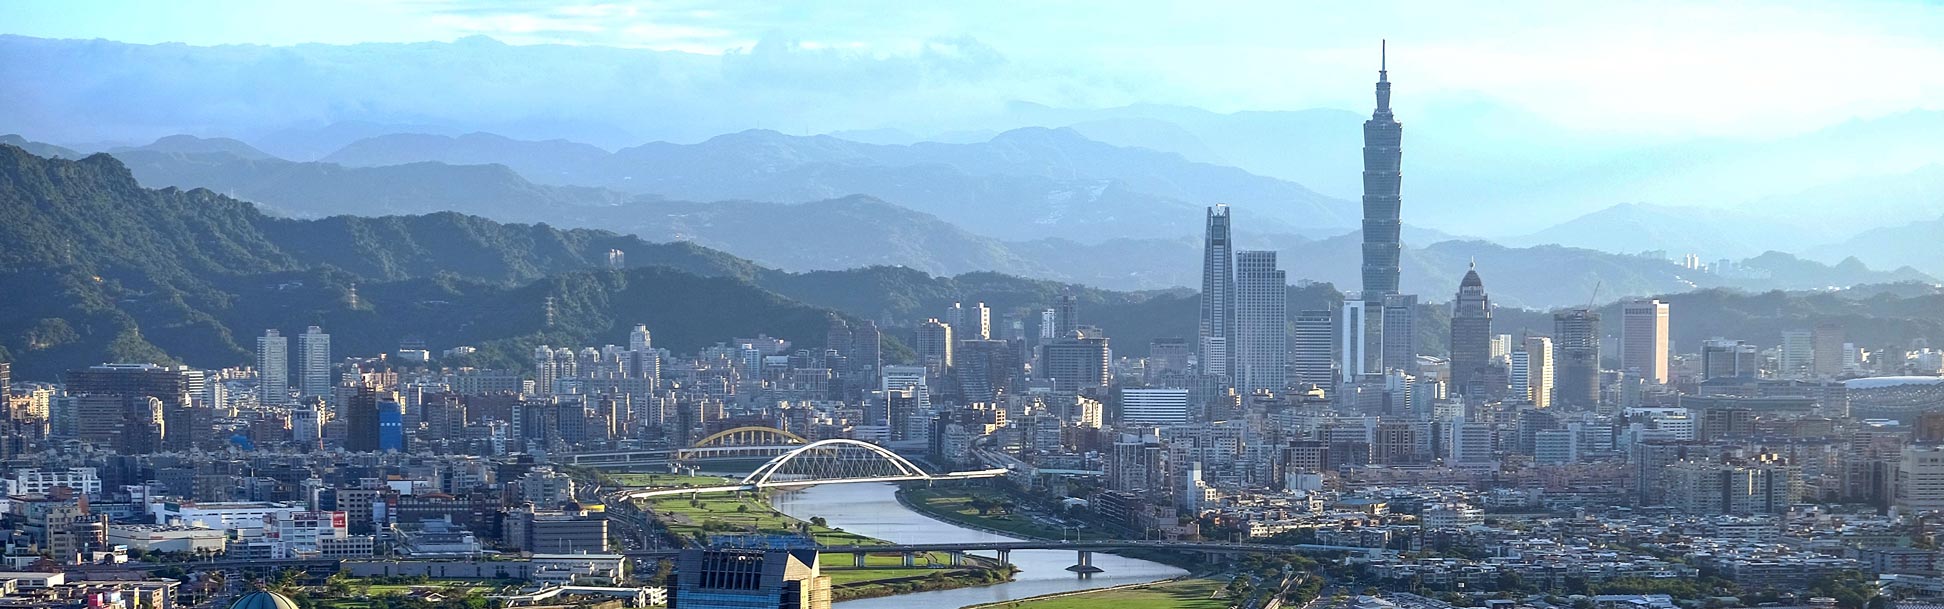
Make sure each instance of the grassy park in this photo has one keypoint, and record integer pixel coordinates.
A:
(1177, 594)
(699, 517)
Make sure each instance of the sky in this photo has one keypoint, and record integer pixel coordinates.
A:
(1727, 68)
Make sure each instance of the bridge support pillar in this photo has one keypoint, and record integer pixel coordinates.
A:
(1084, 565)
(857, 559)
(1005, 557)
(958, 558)
(910, 559)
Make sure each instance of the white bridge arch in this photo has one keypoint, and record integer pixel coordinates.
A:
(832, 453)
(832, 461)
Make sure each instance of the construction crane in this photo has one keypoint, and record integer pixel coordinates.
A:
(1595, 299)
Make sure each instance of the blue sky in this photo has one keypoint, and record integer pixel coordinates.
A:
(1727, 68)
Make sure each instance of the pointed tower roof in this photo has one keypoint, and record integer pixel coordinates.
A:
(1471, 279)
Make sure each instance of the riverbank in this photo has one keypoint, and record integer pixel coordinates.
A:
(956, 506)
(874, 510)
(695, 520)
(1188, 593)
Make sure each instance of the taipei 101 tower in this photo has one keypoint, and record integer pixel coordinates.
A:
(1382, 154)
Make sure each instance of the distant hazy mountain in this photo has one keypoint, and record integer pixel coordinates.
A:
(1834, 212)
(856, 231)
(1025, 183)
(39, 148)
(189, 144)
(1637, 227)
(1915, 244)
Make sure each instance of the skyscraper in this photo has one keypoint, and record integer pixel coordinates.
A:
(1078, 362)
(361, 420)
(1643, 340)
(1577, 336)
(978, 323)
(1537, 353)
(314, 362)
(1067, 315)
(935, 347)
(1261, 322)
(273, 369)
(1215, 342)
(1355, 353)
(1383, 158)
(1312, 351)
(1398, 330)
(1826, 351)
(955, 316)
(1797, 359)
(640, 340)
(1471, 332)
(1723, 358)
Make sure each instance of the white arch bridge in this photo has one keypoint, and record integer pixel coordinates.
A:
(834, 461)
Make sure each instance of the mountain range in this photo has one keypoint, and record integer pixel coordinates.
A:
(857, 230)
(118, 272)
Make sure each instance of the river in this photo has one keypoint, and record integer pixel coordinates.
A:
(873, 510)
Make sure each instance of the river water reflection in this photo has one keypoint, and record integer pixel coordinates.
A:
(873, 510)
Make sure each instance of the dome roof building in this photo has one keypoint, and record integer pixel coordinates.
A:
(264, 599)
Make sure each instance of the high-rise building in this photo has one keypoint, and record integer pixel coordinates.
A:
(1723, 358)
(273, 368)
(1261, 323)
(1797, 357)
(314, 362)
(749, 579)
(1153, 406)
(1399, 332)
(935, 346)
(1049, 325)
(1767, 484)
(391, 425)
(1165, 356)
(1470, 442)
(1532, 371)
(1919, 484)
(1827, 350)
(978, 323)
(361, 420)
(1077, 362)
(6, 378)
(1355, 354)
(639, 339)
(1313, 348)
(985, 369)
(1066, 316)
(126, 406)
(1382, 159)
(1215, 340)
(866, 354)
(954, 315)
(1471, 333)
(1643, 340)
(908, 377)
(1501, 347)
(1576, 333)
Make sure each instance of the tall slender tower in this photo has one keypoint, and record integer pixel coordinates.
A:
(273, 368)
(1471, 332)
(1261, 323)
(314, 362)
(1215, 345)
(1383, 155)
